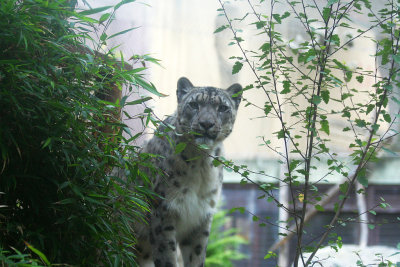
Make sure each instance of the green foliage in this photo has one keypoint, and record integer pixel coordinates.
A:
(61, 138)
(17, 259)
(223, 244)
(308, 85)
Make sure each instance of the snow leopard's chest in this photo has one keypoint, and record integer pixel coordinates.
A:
(194, 194)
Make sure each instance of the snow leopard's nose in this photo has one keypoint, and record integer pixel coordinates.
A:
(206, 124)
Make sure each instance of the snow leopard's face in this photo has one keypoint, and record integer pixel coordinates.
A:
(207, 114)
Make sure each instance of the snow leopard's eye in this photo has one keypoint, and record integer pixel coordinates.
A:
(223, 108)
(194, 105)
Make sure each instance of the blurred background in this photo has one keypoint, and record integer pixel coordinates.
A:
(180, 33)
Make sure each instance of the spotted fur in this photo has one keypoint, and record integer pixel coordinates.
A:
(189, 186)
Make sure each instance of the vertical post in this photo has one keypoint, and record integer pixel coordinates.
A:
(362, 210)
(283, 258)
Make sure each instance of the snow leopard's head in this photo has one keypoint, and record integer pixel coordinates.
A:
(206, 114)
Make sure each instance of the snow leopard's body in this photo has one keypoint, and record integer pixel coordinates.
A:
(189, 185)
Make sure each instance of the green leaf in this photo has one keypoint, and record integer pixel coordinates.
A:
(362, 180)
(203, 146)
(331, 2)
(123, 3)
(267, 109)
(310, 58)
(372, 212)
(340, 65)
(360, 79)
(240, 209)
(103, 37)
(389, 151)
(344, 187)
(260, 24)
(370, 107)
(387, 118)
(104, 17)
(270, 254)
(375, 127)
(285, 15)
(286, 87)
(326, 12)
(360, 123)
(148, 86)
(325, 94)
(319, 207)
(281, 134)
(325, 126)
(39, 253)
(138, 101)
(221, 28)
(216, 163)
(277, 17)
(371, 226)
(47, 142)
(94, 10)
(349, 75)
(121, 32)
(237, 67)
(180, 147)
(316, 99)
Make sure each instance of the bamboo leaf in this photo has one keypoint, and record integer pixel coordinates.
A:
(104, 17)
(122, 32)
(123, 3)
(94, 10)
(39, 253)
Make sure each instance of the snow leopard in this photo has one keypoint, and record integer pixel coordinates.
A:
(188, 184)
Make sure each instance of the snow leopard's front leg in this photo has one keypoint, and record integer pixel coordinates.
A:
(194, 246)
(163, 240)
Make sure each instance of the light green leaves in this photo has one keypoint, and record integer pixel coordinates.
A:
(270, 254)
(240, 209)
(319, 207)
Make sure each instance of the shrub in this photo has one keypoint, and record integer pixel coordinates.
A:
(60, 137)
(223, 245)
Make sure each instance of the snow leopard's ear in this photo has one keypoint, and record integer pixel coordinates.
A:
(235, 92)
(184, 86)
